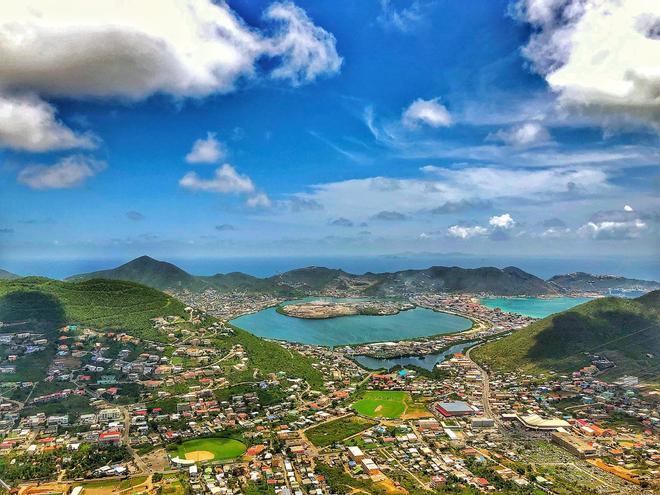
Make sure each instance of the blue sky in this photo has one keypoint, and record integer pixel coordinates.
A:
(200, 129)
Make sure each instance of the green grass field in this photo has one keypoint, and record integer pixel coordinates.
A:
(387, 404)
(221, 448)
(335, 431)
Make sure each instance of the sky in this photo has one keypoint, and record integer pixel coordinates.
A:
(193, 128)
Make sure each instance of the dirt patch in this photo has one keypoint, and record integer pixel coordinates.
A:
(389, 485)
(199, 455)
(378, 408)
(416, 414)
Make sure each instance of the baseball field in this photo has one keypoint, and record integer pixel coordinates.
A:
(388, 404)
(211, 449)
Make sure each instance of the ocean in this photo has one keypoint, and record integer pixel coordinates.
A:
(647, 268)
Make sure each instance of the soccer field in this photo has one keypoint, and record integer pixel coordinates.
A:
(387, 404)
(211, 449)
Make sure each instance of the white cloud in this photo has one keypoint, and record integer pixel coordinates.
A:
(462, 232)
(306, 50)
(259, 200)
(208, 150)
(614, 230)
(67, 173)
(427, 112)
(404, 19)
(523, 135)
(600, 56)
(226, 180)
(369, 196)
(131, 50)
(29, 124)
(628, 208)
(504, 221)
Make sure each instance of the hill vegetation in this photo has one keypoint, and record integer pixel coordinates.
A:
(314, 280)
(626, 331)
(106, 304)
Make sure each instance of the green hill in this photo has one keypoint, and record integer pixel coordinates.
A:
(46, 305)
(105, 304)
(627, 331)
(315, 280)
(148, 271)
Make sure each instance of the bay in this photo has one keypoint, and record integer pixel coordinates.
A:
(536, 307)
(344, 330)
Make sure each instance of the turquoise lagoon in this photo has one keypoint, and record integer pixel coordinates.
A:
(536, 307)
(344, 330)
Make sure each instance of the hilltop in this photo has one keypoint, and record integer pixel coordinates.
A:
(508, 281)
(586, 282)
(623, 330)
(5, 275)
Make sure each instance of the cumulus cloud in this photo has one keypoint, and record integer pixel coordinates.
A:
(67, 173)
(113, 48)
(426, 112)
(259, 200)
(628, 208)
(30, 124)
(206, 150)
(389, 216)
(225, 227)
(225, 180)
(523, 135)
(134, 215)
(618, 224)
(341, 222)
(504, 221)
(462, 232)
(600, 56)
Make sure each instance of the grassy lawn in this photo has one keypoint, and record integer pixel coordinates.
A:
(388, 404)
(335, 431)
(221, 448)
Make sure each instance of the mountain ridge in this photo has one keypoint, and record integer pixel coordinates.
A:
(312, 280)
(5, 275)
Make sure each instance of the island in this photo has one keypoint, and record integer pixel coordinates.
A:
(318, 310)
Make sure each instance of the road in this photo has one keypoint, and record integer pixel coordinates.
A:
(485, 387)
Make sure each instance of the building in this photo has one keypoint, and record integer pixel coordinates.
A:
(455, 408)
(107, 415)
(482, 422)
(356, 454)
(575, 445)
(110, 437)
(536, 422)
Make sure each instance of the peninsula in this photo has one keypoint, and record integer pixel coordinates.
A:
(318, 310)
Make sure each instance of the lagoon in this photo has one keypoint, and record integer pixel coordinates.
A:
(345, 330)
(427, 361)
(536, 307)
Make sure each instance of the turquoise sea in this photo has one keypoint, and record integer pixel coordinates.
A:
(418, 322)
(533, 306)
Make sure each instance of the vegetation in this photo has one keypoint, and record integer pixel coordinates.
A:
(624, 330)
(269, 357)
(107, 304)
(337, 430)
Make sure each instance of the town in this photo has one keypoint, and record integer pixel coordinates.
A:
(121, 414)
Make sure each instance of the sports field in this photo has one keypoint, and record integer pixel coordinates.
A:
(389, 404)
(211, 449)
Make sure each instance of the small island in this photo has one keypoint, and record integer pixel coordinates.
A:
(318, 310)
